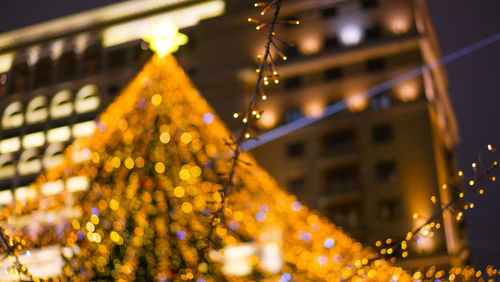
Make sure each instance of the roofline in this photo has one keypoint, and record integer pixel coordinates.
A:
(87, 20)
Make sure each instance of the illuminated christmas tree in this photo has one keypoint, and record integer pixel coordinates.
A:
(136, 201)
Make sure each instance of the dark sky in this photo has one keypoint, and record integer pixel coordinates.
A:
(475, 94)
(473, 85)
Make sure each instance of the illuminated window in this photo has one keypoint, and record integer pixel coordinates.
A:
(59, 134)
(53, 155)
(5, 197)
(13, 115)
(23, 193)
(52, 188)
(37, 110)
(83, 129)
(60, 105)
(29, 162)
(77, 183)
(10, 145)
(87, 99)
(33, 140)
(7, 168)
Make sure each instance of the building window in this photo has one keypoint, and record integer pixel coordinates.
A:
(113, 90)
(373, 33)
(7, 168)
(67, 66)
(92, 60)
(37, 110)
(3, 81)
(328, 12)
(60, 105)
(295, 150)
(13, 116)
(87, 99)
(43, 72)
(141, 52)
(293, 82)
(293, 113)
(333, 73)
(341, 179)
(375, 65)
(20, 77)
(339, 143)
(53, 155)
(389, 210)
(117, 58)
(331, 42)
(386, 171)
(29, 162)
(382, 134)
(366, 4)
(381, 101)
(347, 216)
(291, 51)
(296, 186)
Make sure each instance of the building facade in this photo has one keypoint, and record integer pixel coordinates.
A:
(369, 168)
(372, 167)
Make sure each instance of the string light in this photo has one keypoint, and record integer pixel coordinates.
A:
(155, 219)
(426, 229)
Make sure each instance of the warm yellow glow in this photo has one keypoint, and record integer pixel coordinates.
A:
(408, 90)
(314, 108)
(33, 140)
(59, 134)
(396, 16)
(310, 44)
(268, 119)
(159, 204)
(56, 49)
(83, 129)
(165, 38)
(6, 62)
(357, 103)
(181, 18)
(10, 145)
(87, 99)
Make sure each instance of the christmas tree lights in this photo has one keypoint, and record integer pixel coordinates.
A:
(154, 168)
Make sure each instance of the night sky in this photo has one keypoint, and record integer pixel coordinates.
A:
(473, 86)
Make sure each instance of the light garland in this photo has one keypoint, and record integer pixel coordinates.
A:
(154, 165)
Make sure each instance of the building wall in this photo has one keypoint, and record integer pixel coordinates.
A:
(369, 168)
